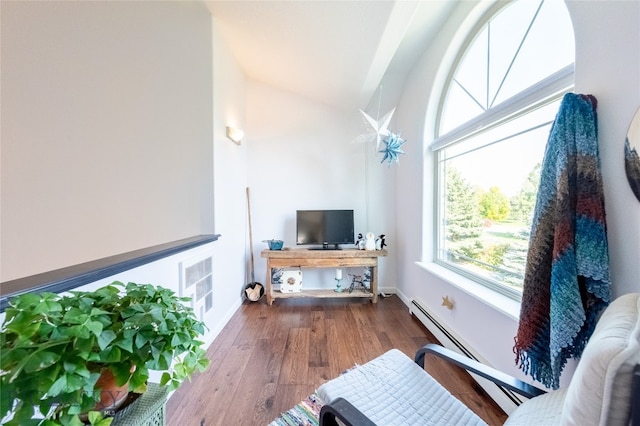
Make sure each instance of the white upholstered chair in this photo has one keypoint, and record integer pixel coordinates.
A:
(395, 390)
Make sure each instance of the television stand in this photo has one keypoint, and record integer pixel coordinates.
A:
(306, 258)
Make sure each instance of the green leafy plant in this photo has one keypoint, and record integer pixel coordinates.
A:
(54, 348)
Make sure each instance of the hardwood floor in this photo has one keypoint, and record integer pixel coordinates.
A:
(269, 358)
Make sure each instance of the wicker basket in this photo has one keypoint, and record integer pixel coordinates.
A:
(147, 410)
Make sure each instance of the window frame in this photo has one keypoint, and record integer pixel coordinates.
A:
(544, 92)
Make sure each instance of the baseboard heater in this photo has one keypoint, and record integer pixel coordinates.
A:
(506, 399)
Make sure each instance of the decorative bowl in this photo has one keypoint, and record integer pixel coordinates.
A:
(274, 244)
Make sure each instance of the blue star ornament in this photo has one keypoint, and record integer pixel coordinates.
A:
(392, 149)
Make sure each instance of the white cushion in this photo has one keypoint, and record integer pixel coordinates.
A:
(600, 389)
(393, 390)
(543, 410)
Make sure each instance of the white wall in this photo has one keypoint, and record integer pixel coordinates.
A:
(302, 155)
(113, 139)
(106, 130)
(230, 179)
(607, 66)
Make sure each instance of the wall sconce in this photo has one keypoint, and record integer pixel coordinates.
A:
(235, 134)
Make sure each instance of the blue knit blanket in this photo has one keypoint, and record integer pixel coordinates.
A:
(566, 282)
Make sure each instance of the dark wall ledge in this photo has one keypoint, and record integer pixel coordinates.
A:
(64, 279)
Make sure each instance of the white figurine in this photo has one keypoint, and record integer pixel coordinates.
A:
(370, 243)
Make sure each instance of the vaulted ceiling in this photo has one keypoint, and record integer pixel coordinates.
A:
(335, 52)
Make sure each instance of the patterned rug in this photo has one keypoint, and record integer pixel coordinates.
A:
(306, 413)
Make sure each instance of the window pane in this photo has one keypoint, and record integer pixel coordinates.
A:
(526, 42)
(508, 30)
(490, 182)
(556, 47)
(471, 75)
(465, 108)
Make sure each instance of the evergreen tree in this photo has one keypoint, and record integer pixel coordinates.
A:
(523, 204)
(462, 216)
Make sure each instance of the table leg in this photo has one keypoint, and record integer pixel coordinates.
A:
(374, 283)
(269, 286)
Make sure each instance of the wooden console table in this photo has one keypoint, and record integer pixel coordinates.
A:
(305, 258)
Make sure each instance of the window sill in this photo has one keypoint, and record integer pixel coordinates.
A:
(494, 300)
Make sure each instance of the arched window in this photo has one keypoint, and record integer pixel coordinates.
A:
(494, 118)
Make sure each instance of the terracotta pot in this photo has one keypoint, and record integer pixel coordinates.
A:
(112, 396)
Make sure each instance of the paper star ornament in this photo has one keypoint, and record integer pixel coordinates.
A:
(392, 149)
(377, 129)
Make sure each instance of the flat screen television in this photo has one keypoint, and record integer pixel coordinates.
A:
(325, 228)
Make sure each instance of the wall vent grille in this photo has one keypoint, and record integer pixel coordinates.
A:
(196, 282)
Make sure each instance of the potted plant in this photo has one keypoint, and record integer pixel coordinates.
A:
(56, 347)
